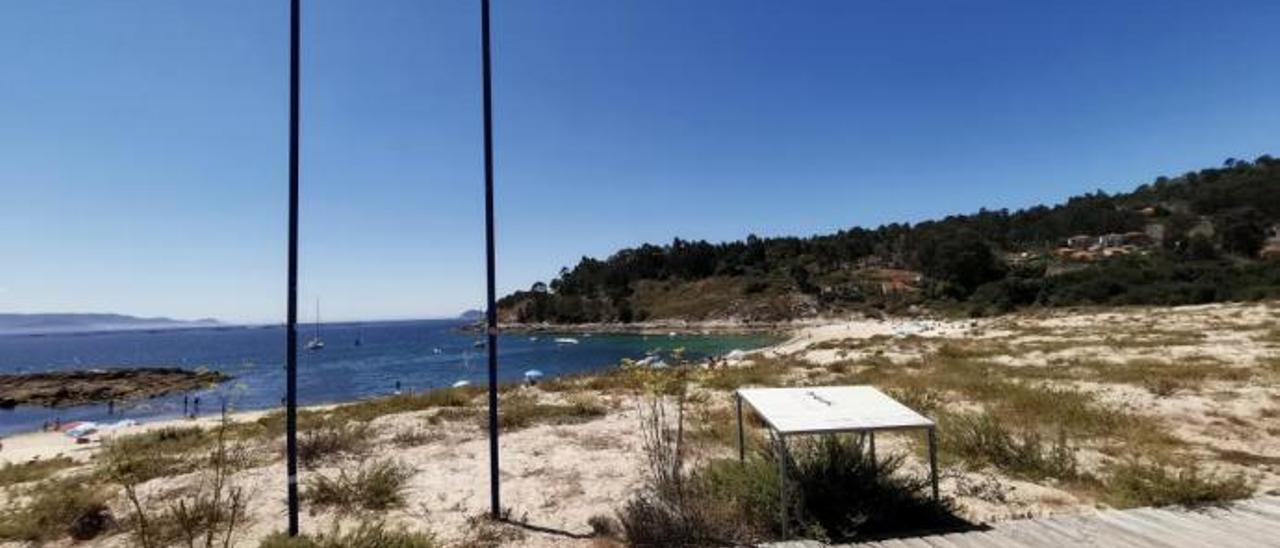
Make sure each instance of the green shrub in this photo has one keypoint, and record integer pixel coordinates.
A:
(331, 440)
(522, 410)
(36, 470)
(762, 373)
(207, 512)
(74, 506)
(668, 510)
(158, 453)
(368, 534)
(484, 531)
(841, 492)
(835, 492)
(462, 396)
(377, 486)
(982, 439)
(414, 436)
(1136, 483)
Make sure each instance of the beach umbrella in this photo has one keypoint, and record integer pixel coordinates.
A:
(532, 375)
(79, 429)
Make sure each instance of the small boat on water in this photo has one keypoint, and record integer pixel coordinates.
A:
(316, 343)
(566, 340)
(479, 344)
(461, 384)
(533, 339)
(437, 350)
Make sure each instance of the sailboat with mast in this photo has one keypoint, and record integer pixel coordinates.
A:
(316, 343)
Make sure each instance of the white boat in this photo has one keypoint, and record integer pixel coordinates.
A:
(461, 384)
(316, 343)
(566, 340)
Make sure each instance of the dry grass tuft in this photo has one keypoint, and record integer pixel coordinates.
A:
(378, 486)
(368, 534)
(522, 409)
(207, 513)
(983, 440)
(74, 506)
(1133, 483)
(332, 440)
(17, 473)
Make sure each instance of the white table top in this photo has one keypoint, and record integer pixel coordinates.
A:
(820, 409)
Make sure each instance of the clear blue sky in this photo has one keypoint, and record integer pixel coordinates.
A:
(143, 143)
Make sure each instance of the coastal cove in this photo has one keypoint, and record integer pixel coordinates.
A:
(359, 361)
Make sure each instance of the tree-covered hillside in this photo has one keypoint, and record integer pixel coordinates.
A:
(1200, 237)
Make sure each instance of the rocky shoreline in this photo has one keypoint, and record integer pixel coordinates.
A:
(67, 388)
(659, 327)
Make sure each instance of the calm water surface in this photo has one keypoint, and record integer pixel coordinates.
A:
(419, 354)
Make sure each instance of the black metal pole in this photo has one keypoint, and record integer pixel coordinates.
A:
(491, 313)
(291, 320)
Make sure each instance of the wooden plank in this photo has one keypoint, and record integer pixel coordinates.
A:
(968, 539)
(941, 541)
(1245, 524)
(1114, 525)
(1252, 523)
(1032, 532)
(1203, 532)
(1265, 506)
(996, 539)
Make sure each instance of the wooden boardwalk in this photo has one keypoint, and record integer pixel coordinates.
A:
(1248, 523)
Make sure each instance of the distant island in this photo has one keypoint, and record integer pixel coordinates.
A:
(1204, 236)
(472, 315)
(34, 324)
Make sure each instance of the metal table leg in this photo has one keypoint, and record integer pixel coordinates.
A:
(742, 450)
(780, 444)
(933, 461)
(871, 445)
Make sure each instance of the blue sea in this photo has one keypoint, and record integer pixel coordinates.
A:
(420, 355)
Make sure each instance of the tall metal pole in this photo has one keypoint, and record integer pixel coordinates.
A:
(491, 313)
(291, 321)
